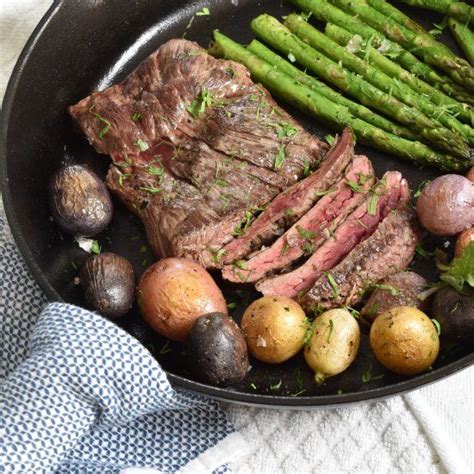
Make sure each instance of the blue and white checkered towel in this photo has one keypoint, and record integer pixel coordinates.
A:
(78, 394)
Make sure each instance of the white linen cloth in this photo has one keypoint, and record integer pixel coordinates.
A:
(430, 430)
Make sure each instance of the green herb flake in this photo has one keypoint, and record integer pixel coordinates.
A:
(372, 204)
(420, 188)
(156, 170)
(285, 249)
(217, 256)
(308, 333)
(306, 168)
(242, 264)
(104, 130)
(200, 103)
(204, 12)
(354, 186)
(308, 235)
(335, 288)
(437, 326)
(279, 158)
(330, 139)
(253, 386)
(142, 145)
(150, 189)
(325, 192)
(289, 212)
(339, 392)
(222, 182)
(299, 380)
(232, 305)
(307, 248)
(136, 117)
(96, 248)
(386, 287)
(286, 130)
(275, 386)
(423, 252)
(460, 272)
(166, 348)
(368, 377)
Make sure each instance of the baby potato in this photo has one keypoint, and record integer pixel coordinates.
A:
(173, 293)
(404, 340)
(334, 343)
(274, 328)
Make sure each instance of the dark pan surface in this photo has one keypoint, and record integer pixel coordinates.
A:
(83, 45)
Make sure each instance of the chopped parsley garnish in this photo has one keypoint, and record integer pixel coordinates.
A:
(216, 256)
(339, 392)
(103, 131)
(437, 326)
(335, 288)
(372, 204)
(355, 186)
(231, 72)
(204, 12)
(151, 189)
(331, 329)
(306, 167)
(291, 57)
(460, 272)
(222, 182)
(420, 187)
(200, 103)
(289, 212)
(96, 248)
(142, 145)
(439, 27)
(286, 130)
(242, 264)
(305, 234)
(156, 170)
(307, 248)
(166, 348)
(279, 158)
(330, 139)
(275, 386)
(244, 224)
(285, 249)
(368, 377)
(384, 286)
(420, 250)
(308, 333)
(232, 305)
(136, 117)
(252, 385)
(324, 193)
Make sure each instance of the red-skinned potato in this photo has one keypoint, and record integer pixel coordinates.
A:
(446, 205)
(470, 174)
(174, 292)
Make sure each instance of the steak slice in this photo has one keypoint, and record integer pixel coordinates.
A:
(290, 205)
(389, 250)
(387, 195)
(195, 145)
(307, 234)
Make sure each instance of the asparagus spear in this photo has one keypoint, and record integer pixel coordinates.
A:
(279, 37)
(395, 14)
(464, 36)
(365, 50)
(319, 106)
(324, 11)
(459, 10)
(356, 109)
(382, 81)
(424, 46)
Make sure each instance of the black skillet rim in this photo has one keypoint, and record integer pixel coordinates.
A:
(223, 394)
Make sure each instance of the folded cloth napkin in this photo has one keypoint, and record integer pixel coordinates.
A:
(90, 398)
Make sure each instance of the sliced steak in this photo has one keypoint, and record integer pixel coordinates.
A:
(309, 232)
(290, 205)
(387, 195)
(389, 250)
(196, 145)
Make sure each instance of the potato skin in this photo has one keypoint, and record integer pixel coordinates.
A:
(455, 314)
(470, 174)
(463, 240)
(109, 284)
(217, 350)
(80, 202)
(446, 205)
(274, 328)
(334, 344)
(407, 284)
(404, 340)
(174, 292)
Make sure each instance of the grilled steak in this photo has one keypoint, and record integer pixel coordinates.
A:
(387, 195)
(389, 250)
(307, 234)
(196, 146)
(289, 206)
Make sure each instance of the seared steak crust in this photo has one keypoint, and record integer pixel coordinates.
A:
(388, 251)
(195, 146)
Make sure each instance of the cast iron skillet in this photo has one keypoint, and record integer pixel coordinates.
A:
(80, 46)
